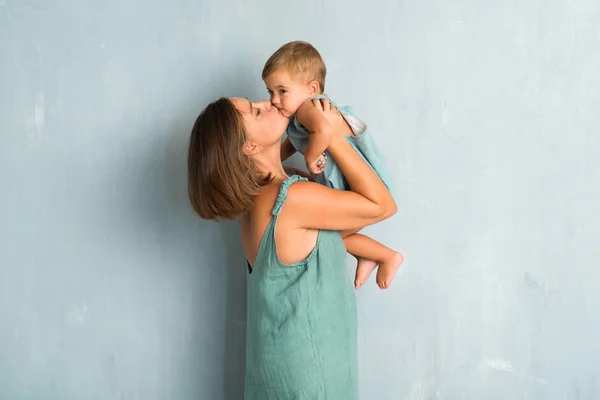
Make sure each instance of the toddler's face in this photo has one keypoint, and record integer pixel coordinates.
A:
(287, 94)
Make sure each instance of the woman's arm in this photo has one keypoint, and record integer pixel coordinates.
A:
(318, 207)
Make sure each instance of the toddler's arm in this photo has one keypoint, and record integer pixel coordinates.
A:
(320, 135)
(287, 149)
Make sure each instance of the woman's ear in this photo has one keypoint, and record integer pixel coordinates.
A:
(314, 88)
(249, 148)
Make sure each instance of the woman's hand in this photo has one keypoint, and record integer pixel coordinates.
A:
(332, 114)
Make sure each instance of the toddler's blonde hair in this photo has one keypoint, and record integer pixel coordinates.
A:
(301, 60)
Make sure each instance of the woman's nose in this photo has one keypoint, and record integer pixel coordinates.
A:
(266, 104)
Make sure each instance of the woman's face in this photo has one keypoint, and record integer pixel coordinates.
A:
(263, 123)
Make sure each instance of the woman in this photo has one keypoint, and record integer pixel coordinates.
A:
(301, 325)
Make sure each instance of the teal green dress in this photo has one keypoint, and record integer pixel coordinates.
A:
(301, 341)
(362, 142)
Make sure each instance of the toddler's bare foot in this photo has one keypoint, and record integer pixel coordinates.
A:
(363, 271)
(387, 270)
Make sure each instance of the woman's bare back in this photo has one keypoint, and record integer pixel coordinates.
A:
(293, 243)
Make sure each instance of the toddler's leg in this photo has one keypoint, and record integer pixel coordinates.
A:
(369, 253)
(364, 265)
(388, 267)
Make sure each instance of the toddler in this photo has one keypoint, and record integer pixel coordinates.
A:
(294, 75)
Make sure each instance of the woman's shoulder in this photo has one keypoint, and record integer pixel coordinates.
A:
(276, 193)
(283, 188)
(301, 190)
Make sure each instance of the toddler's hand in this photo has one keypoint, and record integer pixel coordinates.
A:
(318, 165)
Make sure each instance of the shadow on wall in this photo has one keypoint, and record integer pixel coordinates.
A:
(235, 333)
(236, 83)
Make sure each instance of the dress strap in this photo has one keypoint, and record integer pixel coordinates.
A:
(283, 192)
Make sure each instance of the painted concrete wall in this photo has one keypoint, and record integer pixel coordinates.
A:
(110, 287)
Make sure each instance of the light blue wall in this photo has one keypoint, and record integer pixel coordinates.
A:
(110, 287)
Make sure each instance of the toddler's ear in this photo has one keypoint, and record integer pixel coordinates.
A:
(315, 88)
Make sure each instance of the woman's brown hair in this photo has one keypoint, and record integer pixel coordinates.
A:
(222, 180)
